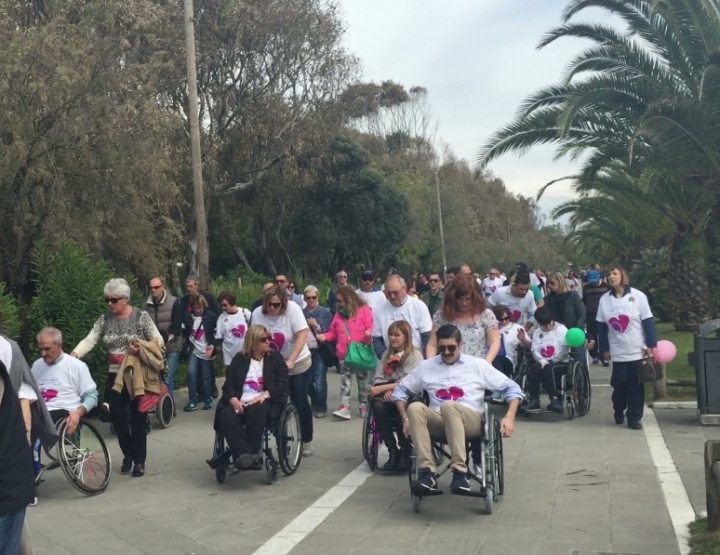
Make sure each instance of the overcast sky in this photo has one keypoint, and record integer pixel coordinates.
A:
(478, 60)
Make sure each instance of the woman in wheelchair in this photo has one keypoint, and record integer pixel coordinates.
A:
(256, 385)
(512, 337)
(550, 352)
(396, 363)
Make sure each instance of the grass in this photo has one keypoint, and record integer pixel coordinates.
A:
(678, 369)
(703, 542)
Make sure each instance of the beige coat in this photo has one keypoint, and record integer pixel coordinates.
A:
(142, 373)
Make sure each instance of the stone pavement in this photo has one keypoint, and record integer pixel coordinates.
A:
(685, 439)
(580, 487)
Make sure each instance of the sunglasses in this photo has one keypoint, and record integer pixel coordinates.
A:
(291, 286)
(505, 319)
(264, 339)
(435, 280)
(274, 305)
(155, 287)
(447, 349)
(280, 281)
(310, 298)
(112, 301)
(342, 277)
(368, 279)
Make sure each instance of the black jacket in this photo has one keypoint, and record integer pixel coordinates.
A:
(567, 308)
(17, 477)
(275, 382)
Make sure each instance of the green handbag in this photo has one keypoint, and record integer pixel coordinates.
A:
(360, 356)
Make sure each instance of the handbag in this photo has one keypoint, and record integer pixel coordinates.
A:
(360, 356)
(650, 371)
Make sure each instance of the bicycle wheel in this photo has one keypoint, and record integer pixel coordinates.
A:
(84, 458)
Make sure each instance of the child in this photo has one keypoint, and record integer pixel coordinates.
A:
(550, 351)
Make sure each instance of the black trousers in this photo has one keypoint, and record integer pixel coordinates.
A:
(592, 329)
(547, 374)
(504, 365)
(628, 393)
(57, 415)
(385, 411)
(244, 432)
(132, 437)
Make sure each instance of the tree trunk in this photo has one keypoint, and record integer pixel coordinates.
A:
(232, 235)
(688, 281)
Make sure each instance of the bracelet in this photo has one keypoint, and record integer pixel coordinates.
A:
(406, 418)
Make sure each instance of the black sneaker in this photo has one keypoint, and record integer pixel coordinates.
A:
(427, 480)
(138, 471)
(555, 405)
(460, 482)
(126, 466)
(634, 425)
(531, 405)
(619, 418)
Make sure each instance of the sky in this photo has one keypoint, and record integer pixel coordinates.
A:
(478, 60)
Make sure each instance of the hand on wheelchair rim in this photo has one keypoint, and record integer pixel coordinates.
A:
(507, 427)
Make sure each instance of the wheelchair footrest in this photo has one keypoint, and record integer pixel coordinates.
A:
(472, 493)
(420, 491)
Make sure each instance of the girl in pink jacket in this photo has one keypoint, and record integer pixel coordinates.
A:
(352, 322)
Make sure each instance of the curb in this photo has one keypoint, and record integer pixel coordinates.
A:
(674, 405)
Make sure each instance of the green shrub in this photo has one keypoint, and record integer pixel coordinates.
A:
(246, 295)
(10, 323)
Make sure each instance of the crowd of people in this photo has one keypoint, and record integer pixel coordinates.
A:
(453, 337)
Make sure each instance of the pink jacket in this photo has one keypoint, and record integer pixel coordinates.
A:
(358, 325)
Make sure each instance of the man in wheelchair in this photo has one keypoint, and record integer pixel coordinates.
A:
(65, 382)
(550, 351)
(455, 384)
(256, 386)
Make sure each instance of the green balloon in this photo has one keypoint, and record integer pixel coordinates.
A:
(575, 337)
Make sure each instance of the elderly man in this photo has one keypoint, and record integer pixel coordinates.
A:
(492, 282)
(341, 278)
(400, 306)
(456, 384)
(166, 312)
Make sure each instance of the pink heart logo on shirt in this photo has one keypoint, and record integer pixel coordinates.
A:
(239, 331)
(48, 394)
(493, 288)
(277, 342)
(515, 315)
(198, 334)
(255, 385)
(619, 323)
(451, 394)
(547, 352)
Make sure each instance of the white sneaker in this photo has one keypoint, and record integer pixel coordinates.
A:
(342, 412)
(363, 411)
(307, 449)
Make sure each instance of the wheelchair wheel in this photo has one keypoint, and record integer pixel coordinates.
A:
(499, 460)
(289, 441)
(165, 410)
(492, 467)
(84, 458)
(370, 446)
(581, 389)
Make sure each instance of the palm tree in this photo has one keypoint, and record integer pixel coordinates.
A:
(643, 101)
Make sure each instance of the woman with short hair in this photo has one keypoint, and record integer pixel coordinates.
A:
(200, 341)
(119, 330)
(318, 318)
(232, 325)
(289, 329)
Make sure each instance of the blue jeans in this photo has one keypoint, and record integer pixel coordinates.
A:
(11, 531)
(173, 360)
(205, 367)
(317, 387)
(299, 384)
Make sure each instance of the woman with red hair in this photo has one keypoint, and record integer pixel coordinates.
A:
(464, 307)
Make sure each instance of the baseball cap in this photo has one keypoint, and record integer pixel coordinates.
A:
(593, 276)
(367, 274)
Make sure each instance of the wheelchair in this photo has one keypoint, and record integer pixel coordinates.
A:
(288, 445)
(573, 384)
(372, 438)
(82, 456)
(164, 412)
(484, 461)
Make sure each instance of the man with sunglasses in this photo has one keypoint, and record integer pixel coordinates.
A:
(282, 281)
(368, 292)
(434, 298)
(455, 384)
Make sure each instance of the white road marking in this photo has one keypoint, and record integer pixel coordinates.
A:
(676, 497)
(295, 532)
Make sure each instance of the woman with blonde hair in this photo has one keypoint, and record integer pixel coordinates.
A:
(352, 322)
(397, 362)
(256, 386)
(565, 304)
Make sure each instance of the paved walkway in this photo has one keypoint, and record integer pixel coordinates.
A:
(579, 487)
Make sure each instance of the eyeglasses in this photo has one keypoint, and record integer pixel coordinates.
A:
(264, 339)
(274, 305)
(112, 301)
(442, 349)
(155, 287)
(342, 277)
(308, 298)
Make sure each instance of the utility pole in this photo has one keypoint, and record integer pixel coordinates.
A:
(202, 254)
(440, 222)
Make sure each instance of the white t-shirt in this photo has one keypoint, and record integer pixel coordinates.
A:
(283, 329)
(624, 318)
(489, 285)
(413, 311)
(198, 339)
(521, 309)
(253, 385)
(550, 346)
(231, 328)
(534, 280)
(464, 382)
(63, 383)
(511, 341)
(372, 298)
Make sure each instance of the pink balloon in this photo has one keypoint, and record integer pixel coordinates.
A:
(665, 351)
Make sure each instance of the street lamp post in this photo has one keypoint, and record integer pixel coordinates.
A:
(440, 223)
